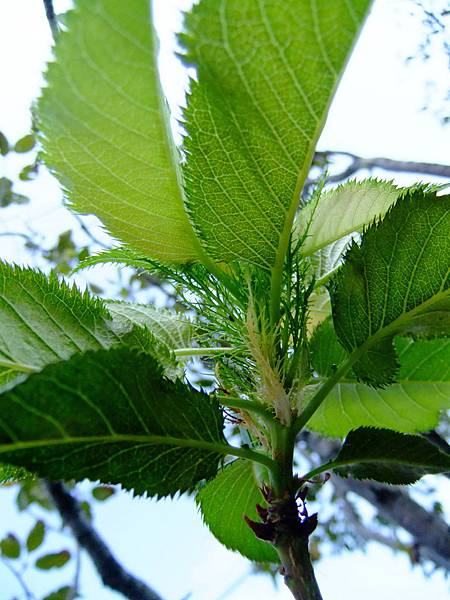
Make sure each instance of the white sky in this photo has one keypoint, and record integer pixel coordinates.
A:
(376, 112)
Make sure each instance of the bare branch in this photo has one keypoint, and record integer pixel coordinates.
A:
(111, 572)
(51, 17)
(358, 163)
(430, 531)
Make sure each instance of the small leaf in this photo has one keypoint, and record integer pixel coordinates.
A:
(389, 457)
(7, 196)
(25, 144)
(29, 172)
(64, 593)
(36, 536)
(54, 560)
(4, 145)
(112, 416)
(341, 211)
(103, 492)
(396, 283)
(224, 502)
(10, 546)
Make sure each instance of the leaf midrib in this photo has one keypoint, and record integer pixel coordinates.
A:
(149, 440)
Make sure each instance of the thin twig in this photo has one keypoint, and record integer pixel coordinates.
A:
(20, 579)
(387, 164)
(111, 572)
(51, 17)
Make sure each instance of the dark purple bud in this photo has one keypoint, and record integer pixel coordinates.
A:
(263, 531)
(262, 512)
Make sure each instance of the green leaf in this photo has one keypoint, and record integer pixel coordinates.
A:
(267, 72)
(103, 492)
(105, 129)
(10, 546)
(119, 256)
(36, 536)
(54, 560)
(396, 283)
(112, 416)
(10, 474)
(225, 501)
(8, 196)
(4, 145)
(43, 320)
(341, 211)
(168, 329)
(64, 593)
(389, 457)
(25, 144)
(412, 404)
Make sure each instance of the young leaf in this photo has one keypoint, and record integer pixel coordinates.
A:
(55, 560)
(25, 144)
(343, 210)
(224, 502)
(168, 329)
(112, 416)
(388, 457)
(105, 129)
(411, 405)
(267, 72)
(119, 256)
(10, 546)
(396, 283)
(36, 536)
(4, 144)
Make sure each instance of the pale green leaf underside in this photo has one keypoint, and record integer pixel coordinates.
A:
(388, 457)
(111, 416)
(342, 211)
(168, 329)
(43, 320)
(397, 282)
(267, 71)
(224, 502)
(411, 405)
(105, 128)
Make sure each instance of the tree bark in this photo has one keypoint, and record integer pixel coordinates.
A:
(297, 569)
(111, 572)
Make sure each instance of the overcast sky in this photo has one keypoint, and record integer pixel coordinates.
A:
(376, 112)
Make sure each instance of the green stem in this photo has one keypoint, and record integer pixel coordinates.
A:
(202, 351)
(298, 570)
(248, 405)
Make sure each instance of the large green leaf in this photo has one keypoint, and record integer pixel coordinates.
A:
(389, 457)
(396, 283)
(267, 71)
(111, 416)
(341, 211)
(412, 404)
(225, 501)
(43, 320)
(105, 128)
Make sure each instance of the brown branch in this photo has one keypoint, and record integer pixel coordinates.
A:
(430, 532)
(111, 572)
(387, 164)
